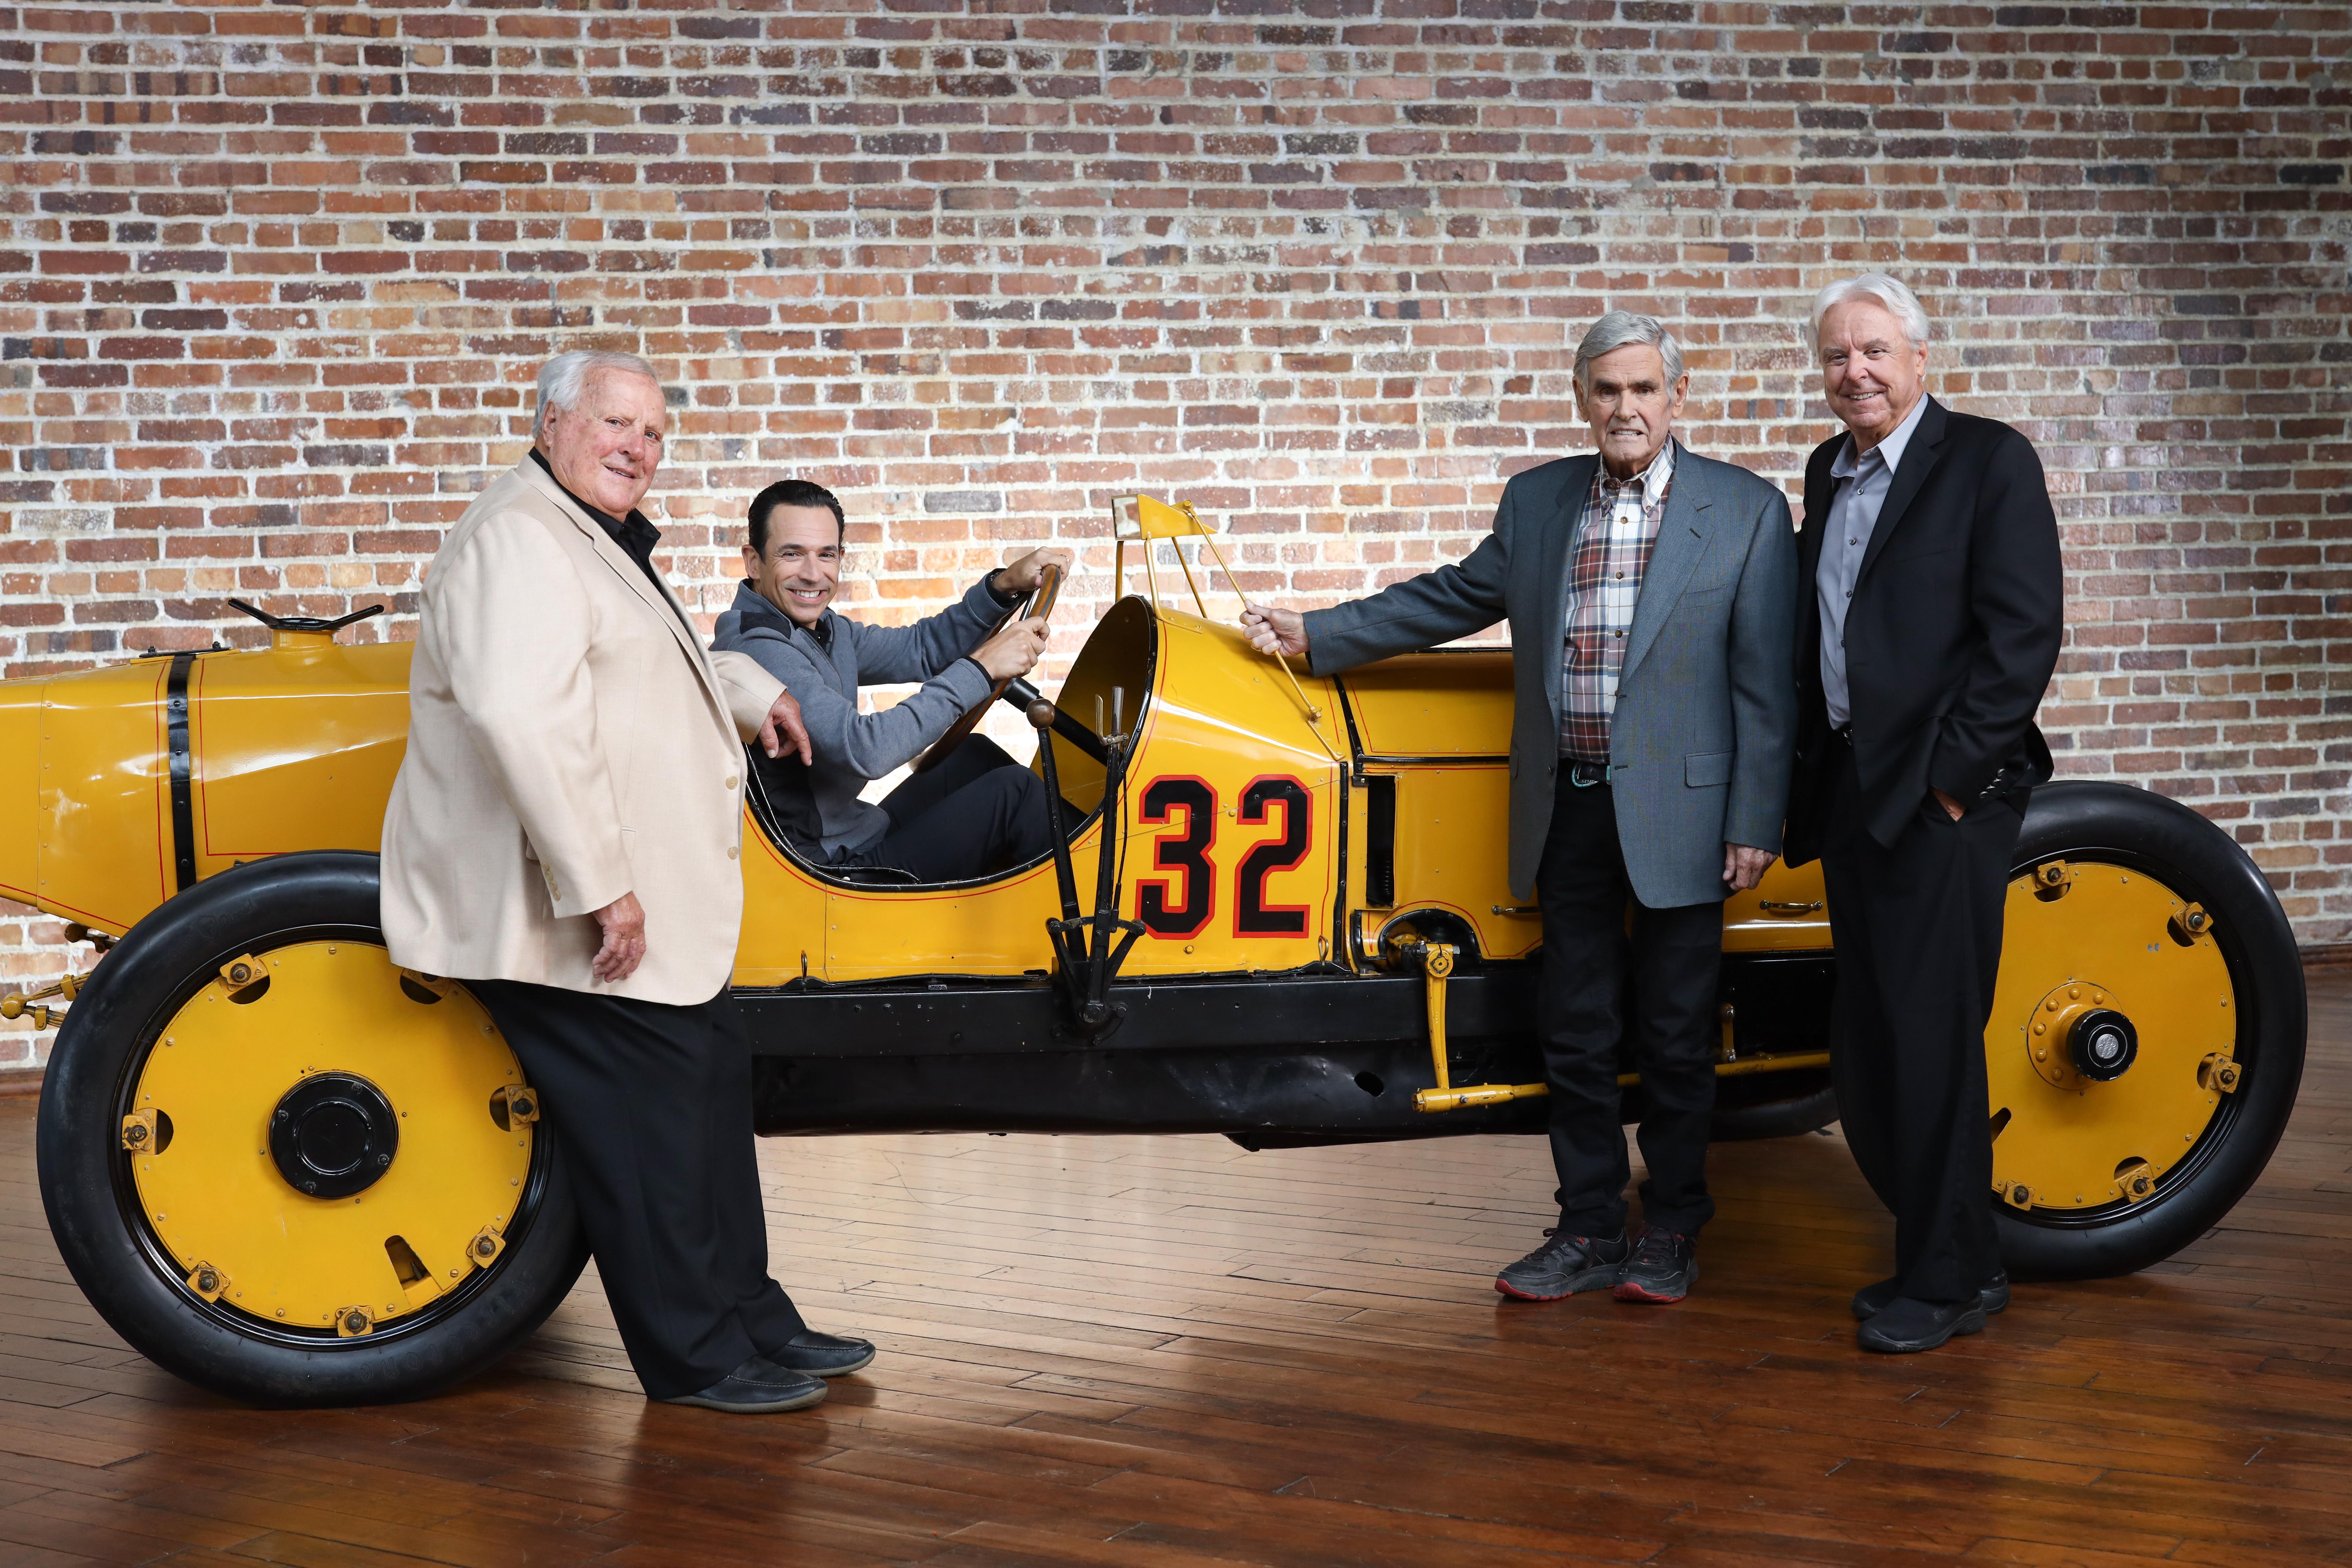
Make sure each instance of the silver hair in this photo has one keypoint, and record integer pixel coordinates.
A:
(1615, 330)
(561, 378)
(1884, 287)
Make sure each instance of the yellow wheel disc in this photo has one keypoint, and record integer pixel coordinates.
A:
(220, 1200)
(2086, 937)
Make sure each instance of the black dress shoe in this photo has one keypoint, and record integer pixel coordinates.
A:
(1873, 1299)
(822, 1356)
(1905, 1327)
(757, 1387)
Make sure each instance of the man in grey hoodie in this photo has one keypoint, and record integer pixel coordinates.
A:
(978, 811)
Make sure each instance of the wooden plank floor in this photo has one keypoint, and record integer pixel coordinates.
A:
(1168, 1352)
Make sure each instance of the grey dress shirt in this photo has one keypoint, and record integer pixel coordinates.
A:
(1862, 486)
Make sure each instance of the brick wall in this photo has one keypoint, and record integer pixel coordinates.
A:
(273, 280)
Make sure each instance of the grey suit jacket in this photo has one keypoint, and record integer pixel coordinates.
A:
(1705, 705)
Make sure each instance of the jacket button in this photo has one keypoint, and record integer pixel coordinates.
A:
(732, 852)
(730, 781)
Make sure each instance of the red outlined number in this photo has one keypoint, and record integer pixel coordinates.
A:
(1187, 852)
(1252, 915)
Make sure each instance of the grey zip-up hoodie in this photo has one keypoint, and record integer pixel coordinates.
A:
(822, 668)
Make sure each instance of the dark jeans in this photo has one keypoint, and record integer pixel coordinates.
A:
(1917, 931)
(651, 1105)
(977, 811)
(1670, 961)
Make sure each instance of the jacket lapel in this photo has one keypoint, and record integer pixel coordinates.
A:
(1551, 571)
(662, 602)
(1818, 488)
(1682, 540)
(1917, 459)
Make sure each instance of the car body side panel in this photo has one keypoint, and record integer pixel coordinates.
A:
(105, 854)
(20, 788)
(296, 749)
(1456, 702)
(1230, 734)
(1453, 844)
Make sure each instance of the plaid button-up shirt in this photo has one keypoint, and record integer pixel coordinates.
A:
(1614, 535)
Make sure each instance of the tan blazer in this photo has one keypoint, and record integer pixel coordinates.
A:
(569, 740)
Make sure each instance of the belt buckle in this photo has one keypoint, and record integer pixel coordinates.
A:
(1584, 775)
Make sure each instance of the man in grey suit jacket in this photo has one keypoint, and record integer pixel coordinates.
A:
(1649, 593)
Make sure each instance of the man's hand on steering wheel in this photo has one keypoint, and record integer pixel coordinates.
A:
(1013, 651)
(1024, 576)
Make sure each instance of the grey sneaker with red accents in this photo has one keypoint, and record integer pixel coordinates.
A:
(1661, 1269)
(1564, 1266)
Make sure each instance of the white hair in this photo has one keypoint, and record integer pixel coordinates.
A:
(561, 378)
(1615, 330)
(1888, 290)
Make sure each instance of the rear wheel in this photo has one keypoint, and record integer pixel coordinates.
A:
(285, 1168)
(2147, 1037)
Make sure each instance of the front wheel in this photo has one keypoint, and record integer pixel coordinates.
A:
(286, 1170)
(2146, 1037)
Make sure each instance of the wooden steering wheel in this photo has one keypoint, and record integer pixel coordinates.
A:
(1040, 605)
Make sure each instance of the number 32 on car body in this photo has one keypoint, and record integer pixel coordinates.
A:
(1184, 900)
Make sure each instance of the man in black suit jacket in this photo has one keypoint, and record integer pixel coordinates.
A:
(1929, 615)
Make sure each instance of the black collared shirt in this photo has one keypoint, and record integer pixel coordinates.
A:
(635, 535)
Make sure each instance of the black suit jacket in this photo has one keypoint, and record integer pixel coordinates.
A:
(1951, 636)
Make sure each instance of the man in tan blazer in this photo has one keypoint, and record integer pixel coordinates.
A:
(565, 836)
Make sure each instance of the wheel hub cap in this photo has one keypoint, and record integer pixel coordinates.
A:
(340, 1141)
(2104, 1045)
(2112, 1003)
(333, 1136)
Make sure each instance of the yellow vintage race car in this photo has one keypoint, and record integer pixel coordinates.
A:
(284, 1168)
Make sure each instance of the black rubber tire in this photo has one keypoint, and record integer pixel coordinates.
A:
(134, 992)
(1788, 1116)
(2199, 862)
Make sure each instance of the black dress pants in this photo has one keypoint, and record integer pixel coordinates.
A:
(1917, 927)
(977, 811)
(651, 1105)
(1670, 963)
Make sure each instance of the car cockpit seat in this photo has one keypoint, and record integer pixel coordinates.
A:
(774, 787)
(873, 876)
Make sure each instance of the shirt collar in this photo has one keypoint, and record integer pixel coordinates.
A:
(625, 531)
(1654, 478)
(1890, 451)
(756, 608)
